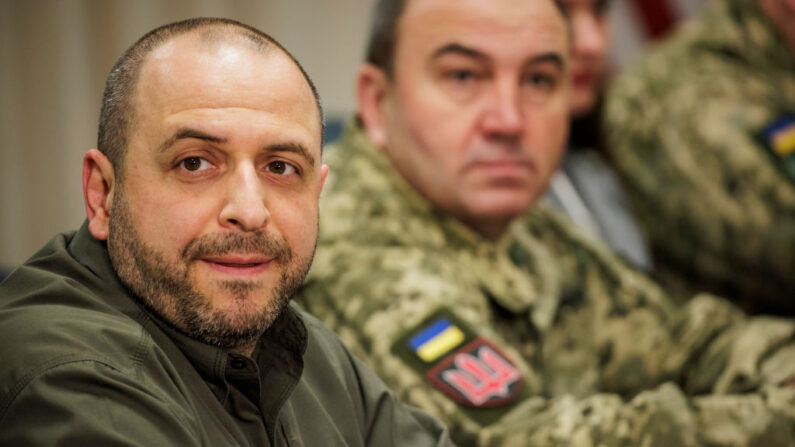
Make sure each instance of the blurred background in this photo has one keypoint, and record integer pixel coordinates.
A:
(55, 55)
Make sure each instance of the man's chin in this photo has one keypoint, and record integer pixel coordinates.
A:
(241, 300)
(501, 206)
(491, 217)
(234, 321)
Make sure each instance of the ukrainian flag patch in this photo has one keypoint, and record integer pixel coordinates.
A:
(436, 339)
(781, 136)
(465, 367)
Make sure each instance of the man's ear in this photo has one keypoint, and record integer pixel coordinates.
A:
(371, 93)
(323, 175)
(98, 184)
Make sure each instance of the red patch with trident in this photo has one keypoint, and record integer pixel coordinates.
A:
(477, 375)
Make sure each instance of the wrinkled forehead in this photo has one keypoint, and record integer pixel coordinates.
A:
(519, 27)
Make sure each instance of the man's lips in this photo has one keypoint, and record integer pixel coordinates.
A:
(502, 170)
(237, 265)
(500, 164)
(582, 78)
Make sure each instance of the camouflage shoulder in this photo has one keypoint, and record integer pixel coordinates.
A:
(426, 332)
(585, 251)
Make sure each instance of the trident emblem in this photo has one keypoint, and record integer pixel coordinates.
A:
(481, 375)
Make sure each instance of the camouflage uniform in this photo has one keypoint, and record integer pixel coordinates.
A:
(543, 338)
(703, 132)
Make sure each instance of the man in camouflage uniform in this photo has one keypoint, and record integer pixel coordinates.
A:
(703, 132)
(510, 325)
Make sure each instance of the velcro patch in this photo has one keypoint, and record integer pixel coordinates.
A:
(436, 339)
(781, 136)
(477, 375)
(467, 368)
(778, 140)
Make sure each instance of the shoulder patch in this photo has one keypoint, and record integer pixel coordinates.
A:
(778, 138)
(436, 339)
(781, 136)
(477, 375)
(466, 367)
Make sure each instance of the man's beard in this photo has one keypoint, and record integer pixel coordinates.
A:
(168, 289)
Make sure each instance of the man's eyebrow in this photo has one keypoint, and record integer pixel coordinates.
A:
(185, 133)
(457, 48)
(295, 148)
(551, 57)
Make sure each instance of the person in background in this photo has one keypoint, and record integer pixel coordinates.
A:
(702, 131)
(165, 319)
(585, 187)
(473, 301)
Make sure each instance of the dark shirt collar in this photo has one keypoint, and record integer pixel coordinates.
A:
(277, 360)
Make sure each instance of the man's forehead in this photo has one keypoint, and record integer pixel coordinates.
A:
(199, 48)
(210, 39)
(507, 9)
(475, 20)
(195, 70)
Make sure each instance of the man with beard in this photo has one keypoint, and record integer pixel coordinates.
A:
(165, 319)
(492, 312)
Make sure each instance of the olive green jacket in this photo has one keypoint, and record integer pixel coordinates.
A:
(542, 338)
(702, 130)
(84, 364)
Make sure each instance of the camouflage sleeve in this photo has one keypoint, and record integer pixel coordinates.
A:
(705, 187)
(733, 374)
(662, 416)
(430, 333)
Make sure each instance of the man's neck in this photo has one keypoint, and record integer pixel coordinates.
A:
(489, 229)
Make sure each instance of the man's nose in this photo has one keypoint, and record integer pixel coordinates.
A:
(589, 38)
(245, 202)
(504, 112)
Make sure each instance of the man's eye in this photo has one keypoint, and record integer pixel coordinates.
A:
(540, 80)
(195, 164)
(462, 75)
(280, 168)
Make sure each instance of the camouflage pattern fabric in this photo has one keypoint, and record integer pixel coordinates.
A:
(689, 131)
(578, 348)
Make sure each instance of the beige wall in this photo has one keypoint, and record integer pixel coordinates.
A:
(55, 54)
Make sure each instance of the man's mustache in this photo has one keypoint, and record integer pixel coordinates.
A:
(257, 243)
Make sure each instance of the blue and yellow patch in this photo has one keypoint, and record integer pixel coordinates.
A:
(436, 340)
(781, 136)
(778, 139)
(467, 368)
